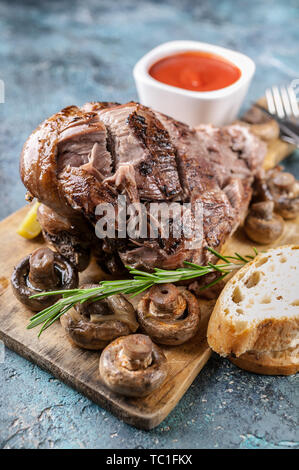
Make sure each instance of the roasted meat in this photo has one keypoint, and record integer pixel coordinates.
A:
(82, 157)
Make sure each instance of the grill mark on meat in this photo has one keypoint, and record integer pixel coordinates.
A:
(192, 166)
(84, 192)
(208, 162)
(162, 163)
(141, 140)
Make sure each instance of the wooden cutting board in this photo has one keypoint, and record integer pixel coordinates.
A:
(79, 368)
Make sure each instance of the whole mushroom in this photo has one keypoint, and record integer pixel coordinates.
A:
(262, 225)
(94, 324)
(168, 315)
(282, 188)
(43, 270)
(133, 366)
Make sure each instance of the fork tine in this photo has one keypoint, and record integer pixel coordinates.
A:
(278, 103)
(286, 101)
(270, 102)
(293, 101)
(285, 128)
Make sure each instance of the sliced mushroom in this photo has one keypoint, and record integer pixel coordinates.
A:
(282, 188)
(133, 366)
(94, 324)
(262, 225)
(43, 270)
(169, 315)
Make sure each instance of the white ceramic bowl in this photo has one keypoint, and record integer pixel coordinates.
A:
(217, 107)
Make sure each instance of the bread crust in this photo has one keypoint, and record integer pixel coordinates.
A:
(229, 337)
(279, 363)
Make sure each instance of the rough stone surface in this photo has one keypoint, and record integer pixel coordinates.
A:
(56, 53)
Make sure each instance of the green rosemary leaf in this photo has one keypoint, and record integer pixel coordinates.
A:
(139, 291)
(216, 253)
(215, 267)
(241, 258)
(194, 266)
(51, 320)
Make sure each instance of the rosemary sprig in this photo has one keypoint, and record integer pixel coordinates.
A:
(140, 282)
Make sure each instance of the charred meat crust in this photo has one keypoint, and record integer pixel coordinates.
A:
(162, 164)
(70, 247)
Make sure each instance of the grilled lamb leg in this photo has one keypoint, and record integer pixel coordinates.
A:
(82, 157)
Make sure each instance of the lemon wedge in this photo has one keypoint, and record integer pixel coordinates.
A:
(30, 228)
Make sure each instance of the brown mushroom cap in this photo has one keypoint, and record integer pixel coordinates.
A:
(93, 325)
(133, 366)
(43, 270)
(262, 225)
(266, 130)
(288, 208)
(173, 321)
(281, 188)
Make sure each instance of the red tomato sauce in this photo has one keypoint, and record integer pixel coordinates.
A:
(196, 71)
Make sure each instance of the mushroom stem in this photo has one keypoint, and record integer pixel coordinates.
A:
(137, 352)
(165, 301)
(42, 274)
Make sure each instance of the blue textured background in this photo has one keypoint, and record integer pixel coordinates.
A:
(67, 52)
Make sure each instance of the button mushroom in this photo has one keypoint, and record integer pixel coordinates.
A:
(94, 324)
(262, 225)
(43, 270)
(282, 188)
(169, 315)
(133, 366)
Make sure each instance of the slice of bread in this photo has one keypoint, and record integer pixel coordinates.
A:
(258, 310)
(273, 363)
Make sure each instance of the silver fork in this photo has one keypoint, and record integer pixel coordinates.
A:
(282, 101)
